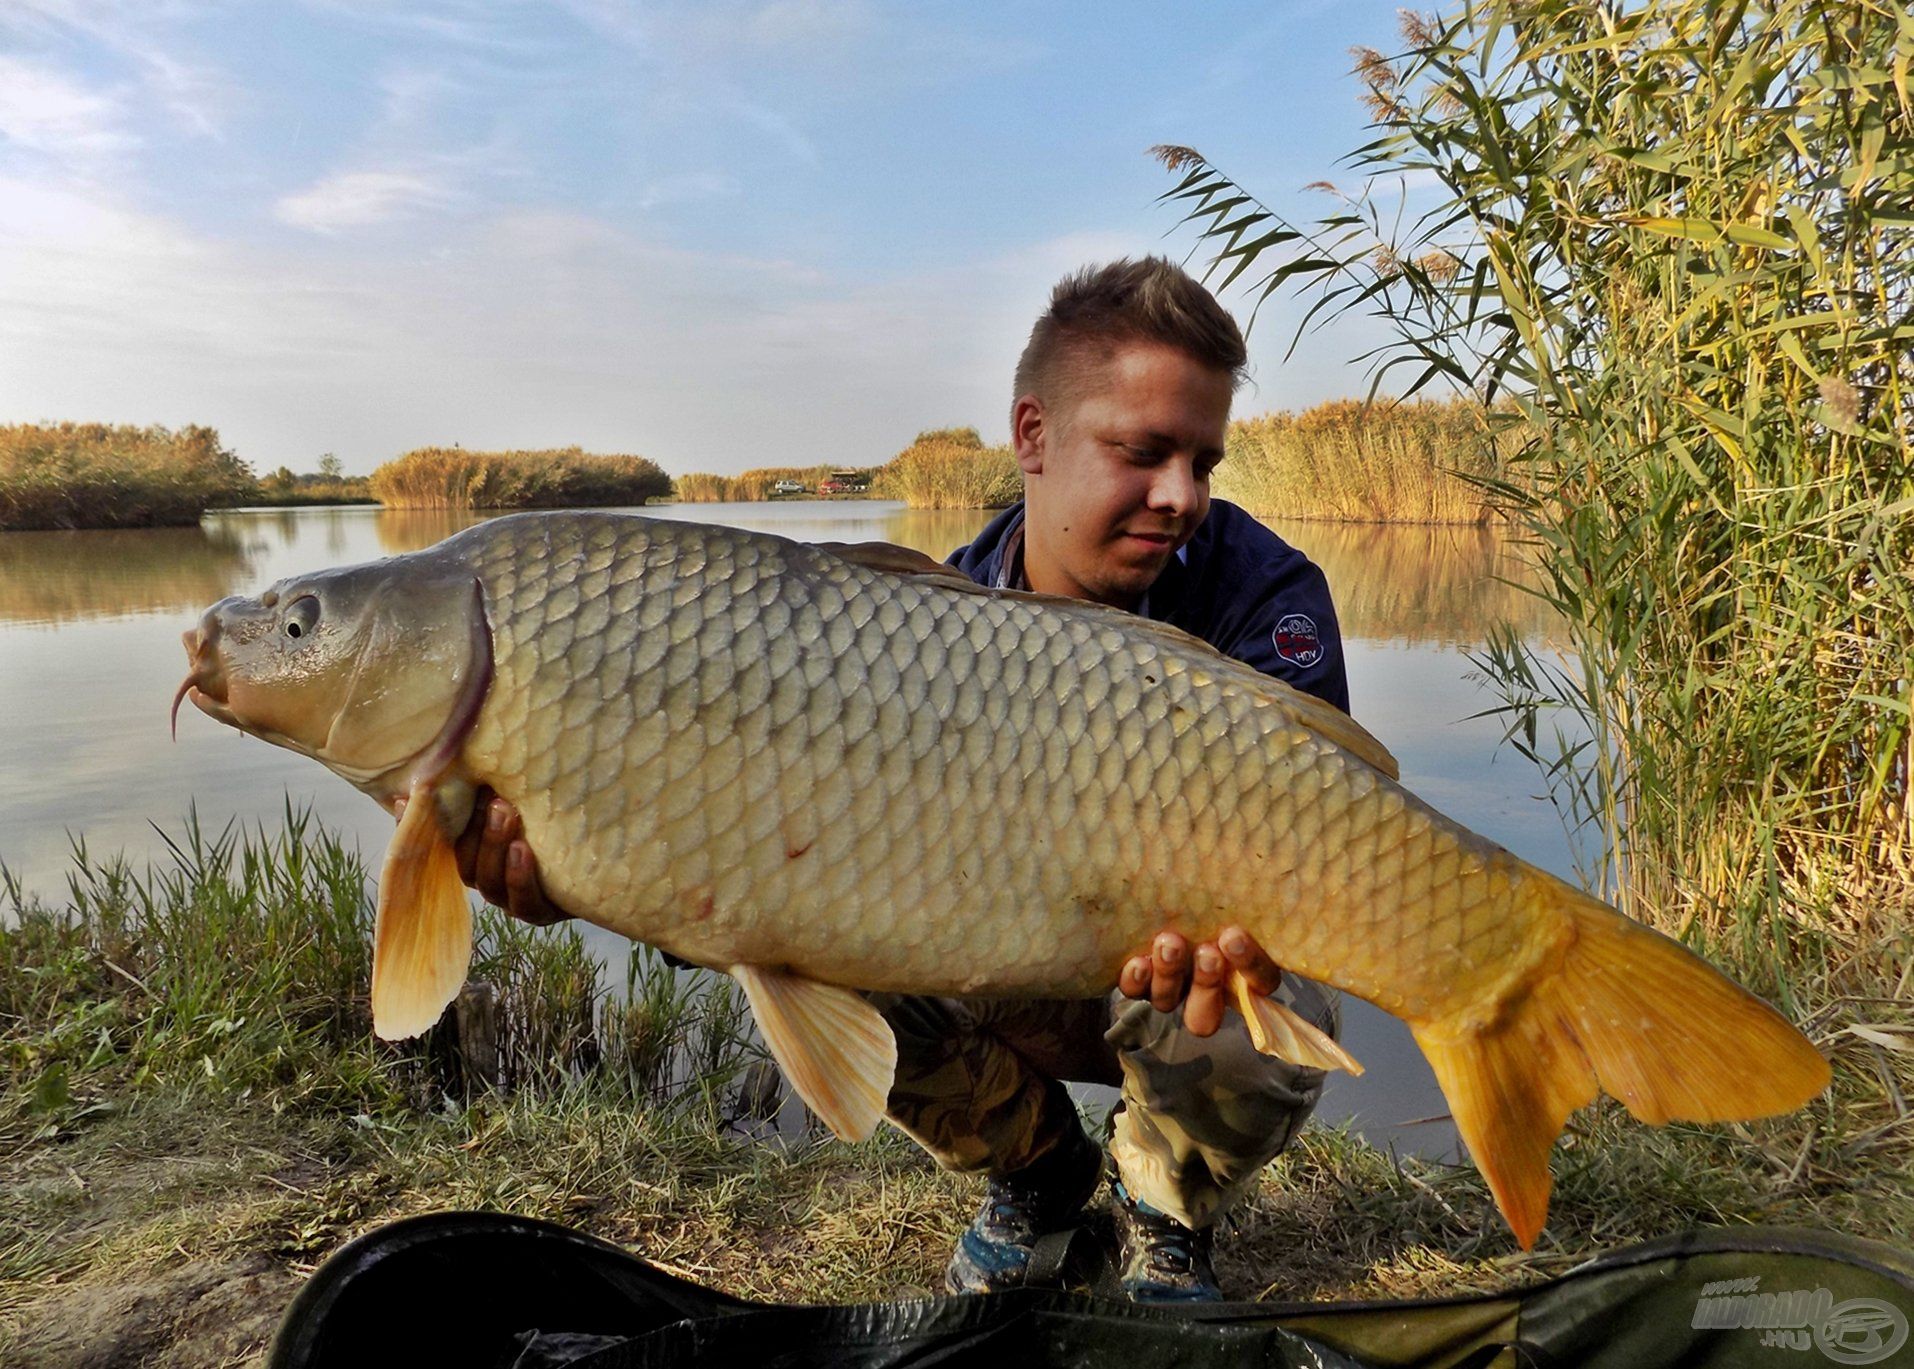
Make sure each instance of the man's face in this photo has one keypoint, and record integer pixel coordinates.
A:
(1117, 478)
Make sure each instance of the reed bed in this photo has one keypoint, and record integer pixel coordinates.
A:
(1383, 462)
(751, 487)
(453, 478)
(1674, 238)
(284, 488)
(951, 468)
(95, 475)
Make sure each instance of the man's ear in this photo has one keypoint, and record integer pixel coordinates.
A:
(1028, 431)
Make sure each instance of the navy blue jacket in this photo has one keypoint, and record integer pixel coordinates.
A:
(1237, 585)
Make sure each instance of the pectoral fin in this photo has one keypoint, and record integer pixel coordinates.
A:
(423, 946)
(834, 1047)
(1277, 1029)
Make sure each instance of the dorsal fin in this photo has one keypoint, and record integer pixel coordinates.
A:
(1323, 718)
(892, 559)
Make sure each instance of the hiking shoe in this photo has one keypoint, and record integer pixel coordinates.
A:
(1158, 1258)
(994, 1253)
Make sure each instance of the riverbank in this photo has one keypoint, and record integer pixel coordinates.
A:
(193, 1114)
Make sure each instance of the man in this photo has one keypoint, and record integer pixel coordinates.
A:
(1122, 403)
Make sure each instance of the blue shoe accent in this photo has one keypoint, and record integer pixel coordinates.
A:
(1020, 1209)
(1159, 1259)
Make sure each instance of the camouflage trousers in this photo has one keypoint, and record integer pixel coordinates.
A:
(980, 1085)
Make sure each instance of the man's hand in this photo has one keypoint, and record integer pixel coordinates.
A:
(495, 859)
(1170, 975)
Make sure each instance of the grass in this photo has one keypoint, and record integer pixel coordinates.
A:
(1386, 462)
(951, 468)
(453, 478)
(94, 475)
(193, 1114)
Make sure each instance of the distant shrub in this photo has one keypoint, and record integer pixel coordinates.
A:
(951, 468)
(283, 487)
(754, 486)
(96, 475)
(453, 478)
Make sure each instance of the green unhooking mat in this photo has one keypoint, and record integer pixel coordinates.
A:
(481, 1290)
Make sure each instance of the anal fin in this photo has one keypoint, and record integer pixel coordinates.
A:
(835, 1048)
(423, 946)
(1279, 1030)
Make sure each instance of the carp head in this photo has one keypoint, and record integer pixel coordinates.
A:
(378, 672)
(375, 671)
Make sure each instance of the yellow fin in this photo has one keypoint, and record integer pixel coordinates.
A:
(835, 1048)
(423, 946)
(1627, 1010)
(1277, 1029)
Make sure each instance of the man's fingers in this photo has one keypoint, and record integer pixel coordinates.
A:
(1169, 971)
(525, 897)
(501, 826)
(1203, 1009)
(1135, 979)
(1247, 956)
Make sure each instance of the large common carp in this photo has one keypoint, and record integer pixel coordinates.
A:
(826, 769)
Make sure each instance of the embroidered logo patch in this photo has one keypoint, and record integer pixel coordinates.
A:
(1297, 640)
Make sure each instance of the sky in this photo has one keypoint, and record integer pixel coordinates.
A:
(721, 235)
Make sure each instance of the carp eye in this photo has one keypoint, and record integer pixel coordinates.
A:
(302, 617)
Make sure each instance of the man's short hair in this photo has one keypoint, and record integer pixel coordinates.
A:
(1100, 308)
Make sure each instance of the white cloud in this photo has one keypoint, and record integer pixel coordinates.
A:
(195, 94)
(44, 111)
(361, 199)
(528, 329)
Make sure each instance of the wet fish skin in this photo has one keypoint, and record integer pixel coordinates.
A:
(747, 750)
(799, 766)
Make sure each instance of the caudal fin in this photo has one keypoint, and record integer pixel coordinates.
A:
(1629, 1012)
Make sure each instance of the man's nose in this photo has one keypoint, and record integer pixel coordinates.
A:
(1174, 488)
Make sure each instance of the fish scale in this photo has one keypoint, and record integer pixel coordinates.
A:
(819, 767)
(1109, 784)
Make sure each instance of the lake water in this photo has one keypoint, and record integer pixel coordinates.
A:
(90, 656)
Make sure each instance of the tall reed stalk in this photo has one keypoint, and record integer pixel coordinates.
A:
(1676, 238)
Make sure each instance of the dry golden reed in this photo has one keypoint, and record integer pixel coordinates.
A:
(97, 475)
(951, 468)
(1384, 462)
(566, 477)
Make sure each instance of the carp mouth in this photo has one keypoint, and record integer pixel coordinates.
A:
(205, 681)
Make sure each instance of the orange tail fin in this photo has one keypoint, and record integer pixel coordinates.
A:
(1629, 1011)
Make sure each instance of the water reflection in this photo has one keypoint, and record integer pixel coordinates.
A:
(935, 532)
(61, 577)
(1444, 585)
